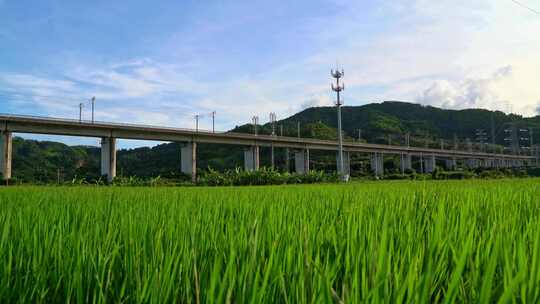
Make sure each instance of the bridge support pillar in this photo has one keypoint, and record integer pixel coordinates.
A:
(377, 164)
(429, 164)
(108, 157)
(6, 148)
(472, 163)
(251, 158)
(451, 164)
(346, 163)
(406, 162)
(287, 160)
(301, 161)
(188, 156)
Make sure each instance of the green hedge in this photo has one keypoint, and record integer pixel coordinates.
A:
(264, 176)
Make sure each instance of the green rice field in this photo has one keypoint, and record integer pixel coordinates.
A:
(371, 242)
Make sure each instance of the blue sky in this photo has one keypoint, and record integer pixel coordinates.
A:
(162, 62)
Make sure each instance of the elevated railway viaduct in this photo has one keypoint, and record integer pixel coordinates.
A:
(110, 132)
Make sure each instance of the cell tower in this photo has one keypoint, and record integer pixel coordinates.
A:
(525, 140)
(338, 88)
(512, 139)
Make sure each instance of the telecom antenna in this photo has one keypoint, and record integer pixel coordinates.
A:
(512, 138)
(338, 88)
(481, 138)
(525, 140)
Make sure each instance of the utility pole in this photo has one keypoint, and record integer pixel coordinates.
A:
(255, 122)
(197, 116)
(81, 105)
(408, 139)
(456, 144)
(493, 141)
(273, 122)
(213, 121)
(359, 134)
(338, 89)
(93, 101)
(531, 140)
(298, 129)
(280, 130)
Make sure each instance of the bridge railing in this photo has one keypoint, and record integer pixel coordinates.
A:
(101, 123)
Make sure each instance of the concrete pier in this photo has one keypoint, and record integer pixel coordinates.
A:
(301, 161)
(287, 160)
(346, 163)
(472, 163)
(251, 158)
(405, 162)
(451, 164)
(377, 164)
(6, 147)
(188, 156)
(429, 164)
(108, 158)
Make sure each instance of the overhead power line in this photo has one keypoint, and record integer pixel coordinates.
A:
(526, 7)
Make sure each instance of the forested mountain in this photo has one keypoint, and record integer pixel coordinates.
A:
(378, 121)
(385, 122)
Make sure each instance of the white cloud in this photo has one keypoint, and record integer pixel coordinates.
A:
(316, 101)
(468, 93)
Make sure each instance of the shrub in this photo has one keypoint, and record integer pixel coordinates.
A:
(264, 176)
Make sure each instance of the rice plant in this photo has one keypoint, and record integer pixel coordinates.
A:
(391, 242)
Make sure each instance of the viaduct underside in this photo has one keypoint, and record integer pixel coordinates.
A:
(299, 147)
